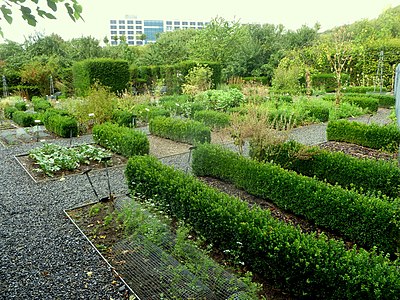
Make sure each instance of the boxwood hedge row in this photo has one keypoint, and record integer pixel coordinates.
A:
(180, 130)
(60, 123)
(121, 139)
(374, 136)
(368, 221)
(335, 167)
(363, 101)
(212, 118)
(23, 118)
(303, 264)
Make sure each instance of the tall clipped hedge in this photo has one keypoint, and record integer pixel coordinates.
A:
(60, 123)
(173, 75)
(108, 72)
(303, 264)
(368, 221)
(374, 136)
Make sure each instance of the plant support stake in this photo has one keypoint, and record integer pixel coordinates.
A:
(91, 184)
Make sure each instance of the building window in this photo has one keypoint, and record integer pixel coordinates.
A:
(130, 21)
(130, 32)
(114, 43)
(199, 23)
(192, 23)
(122, 32)
(131, 43)
(113, 26)
(177, 28)
(130, 37)
(156, 23)
(139, 42)
(138, 22)
(121, 22)
(169, 22)
(130, 27)
(138, 27)
(169, 28)
(185, 23)
(177, 23)
(113, 32)
(113, 21)
(139, 32)
(121, 26)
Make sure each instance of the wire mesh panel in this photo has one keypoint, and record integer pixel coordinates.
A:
(154, 274)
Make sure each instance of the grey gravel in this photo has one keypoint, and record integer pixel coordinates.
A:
(43, 255)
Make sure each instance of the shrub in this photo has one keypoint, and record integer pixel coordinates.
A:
(40, 104)
(212, 118)
(108, 72)
(221, 99)
(327, 82)
(374, 136)
(123, 117)
(9, 111)
(120, 139)
(20, 105)
(303, 264)
(360, 89)
(334, 167)
(366, 220)
(23, 119)
(146, 112)
(60, 123)
(180, 130)
(368, 103)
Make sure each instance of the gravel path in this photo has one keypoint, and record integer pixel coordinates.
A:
(43, 256)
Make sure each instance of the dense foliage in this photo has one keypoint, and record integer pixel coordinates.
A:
(305, 265)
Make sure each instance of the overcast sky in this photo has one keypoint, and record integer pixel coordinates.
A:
(291, 13)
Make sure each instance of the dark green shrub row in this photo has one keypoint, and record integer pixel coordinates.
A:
(60, 123)
(146, 76)
(335, 167)
(384, 100)
(327, 81)
(108, 72)
(361, 89)
(302, 264)
(123, 117)
(120, 139)
(180, 130)
(20, 105)
(23, 118)
(9, 111)
(212, 118)
(365, 220)
(221, 99)
(363, 101)
(40, 104)
(374, 136)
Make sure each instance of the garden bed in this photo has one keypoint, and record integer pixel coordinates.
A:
(31, 167)
(18, 135)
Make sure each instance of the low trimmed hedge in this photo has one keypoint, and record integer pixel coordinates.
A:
(368, 221)
(212, 118)
(23, 118)
(374, 136)
(9, 111)
(20, 105)
(40, 105)
(123, 117)
(146, 112)
(180, 130)
(121, 139)
(302, 264)
(369, 103)
(365, 175)
(360, 89)
(60, 123)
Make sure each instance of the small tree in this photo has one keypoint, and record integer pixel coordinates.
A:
(338, 50)
(198, 79)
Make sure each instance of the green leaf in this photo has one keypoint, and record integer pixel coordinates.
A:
(6, 13)
(45, 14)
(70, 11)
(27, 15)
(52, 4)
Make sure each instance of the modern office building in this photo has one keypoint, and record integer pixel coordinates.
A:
(139, 31)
